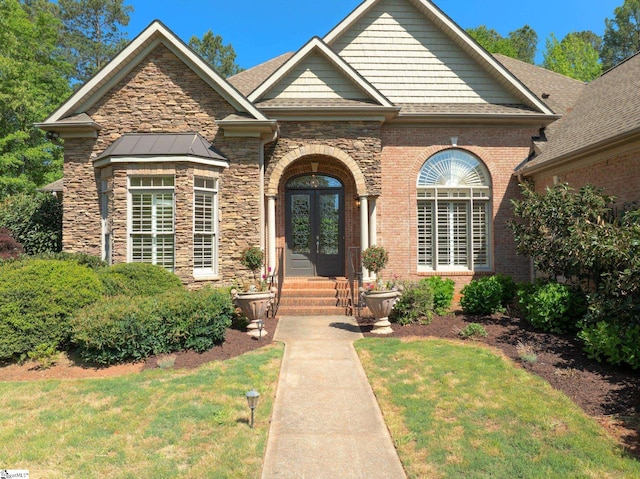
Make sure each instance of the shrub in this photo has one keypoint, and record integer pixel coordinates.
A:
(252, 258)
(83, 259)
(415, 305)
(552, 307)
(37, 297)
(482, 296)
(443, 290)
(612, 342)
(138, 279)
(473, 331)
(121, 328)
(509, 289)
(375, 258)
(35, 220)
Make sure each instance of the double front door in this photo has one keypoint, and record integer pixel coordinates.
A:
(315, 226)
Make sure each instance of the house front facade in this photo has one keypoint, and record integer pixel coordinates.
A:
(395, 129)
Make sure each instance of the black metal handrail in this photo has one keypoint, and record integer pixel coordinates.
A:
(277, 279)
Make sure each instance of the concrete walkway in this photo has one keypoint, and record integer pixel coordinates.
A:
(326, 421)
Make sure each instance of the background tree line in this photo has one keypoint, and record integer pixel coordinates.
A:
(581, 55)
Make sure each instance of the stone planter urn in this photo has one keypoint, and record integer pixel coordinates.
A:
(380, 303)
(254, 306)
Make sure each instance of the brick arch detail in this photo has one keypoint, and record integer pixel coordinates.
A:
(308, 150)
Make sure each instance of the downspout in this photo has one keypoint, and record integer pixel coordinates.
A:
(263, 143)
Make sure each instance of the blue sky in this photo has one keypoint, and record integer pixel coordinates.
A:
(263, 29)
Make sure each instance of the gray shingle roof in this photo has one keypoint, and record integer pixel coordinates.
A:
(247, 81)
(153, 144)
(463, 109)
(608, 108)
(557, 91)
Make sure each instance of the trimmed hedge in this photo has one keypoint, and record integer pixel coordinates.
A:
(488, 295)
(37, 297)
(612, 342)
(552, 307)
(138, 279)
(121, 328)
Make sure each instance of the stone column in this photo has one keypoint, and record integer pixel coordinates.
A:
(364, 230)
(271, 233)
(373, 226)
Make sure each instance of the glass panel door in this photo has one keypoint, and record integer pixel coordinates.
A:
(314, 227)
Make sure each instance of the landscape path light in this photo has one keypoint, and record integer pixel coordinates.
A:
(252, 400)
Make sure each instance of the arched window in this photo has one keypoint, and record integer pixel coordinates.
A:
(454, 213)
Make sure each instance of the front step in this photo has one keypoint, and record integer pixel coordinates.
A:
(315, 297)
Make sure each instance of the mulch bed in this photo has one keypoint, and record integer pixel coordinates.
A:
(610, 394)
(236, 343)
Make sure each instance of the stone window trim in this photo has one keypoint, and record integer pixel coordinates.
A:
(151, 220)
(205, 228)
(454, 214)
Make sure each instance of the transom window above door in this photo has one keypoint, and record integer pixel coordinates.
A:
(454, 213)
(314, 181)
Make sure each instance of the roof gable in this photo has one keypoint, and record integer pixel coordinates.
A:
(413, 53)
(131, 56)
(316, 72)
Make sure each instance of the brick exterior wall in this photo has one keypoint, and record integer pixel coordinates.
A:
(618, 176)
(161, 95)
(404, 153)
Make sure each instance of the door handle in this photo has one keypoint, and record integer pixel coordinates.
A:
(317, 244)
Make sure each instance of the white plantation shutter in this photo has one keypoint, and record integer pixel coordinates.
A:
(454, 187)
(205, 227)
(152, 236)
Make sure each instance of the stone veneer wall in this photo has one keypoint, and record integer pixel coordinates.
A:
(405, 151)
(161, 95)
(360, 140)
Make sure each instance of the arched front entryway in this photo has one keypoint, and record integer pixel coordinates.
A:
(339, 199)
(314, 226)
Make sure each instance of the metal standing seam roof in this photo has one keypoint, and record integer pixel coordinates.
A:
(162, 144)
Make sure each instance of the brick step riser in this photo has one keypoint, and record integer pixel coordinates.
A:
(301, 303)
(322, 311)
(315, 293)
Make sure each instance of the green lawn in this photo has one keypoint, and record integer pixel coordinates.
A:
(156, 424)
(462, 411)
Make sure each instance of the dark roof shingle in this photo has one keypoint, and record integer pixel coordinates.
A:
(608, 108)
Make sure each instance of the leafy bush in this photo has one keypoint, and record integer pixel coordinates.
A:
(35, 220)
(473, 331)
(415, 305)
(482, 296)
(552, 307)
(37, 297)
(613, 342)
(443, 290)
(121, 328)
(138, 279)
(509, 289)
(252, 258)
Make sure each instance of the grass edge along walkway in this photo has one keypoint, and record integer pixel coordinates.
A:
(154, 424)
(463, 410)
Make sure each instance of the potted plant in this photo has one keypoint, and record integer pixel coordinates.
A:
(380, 296)
(255, 296)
